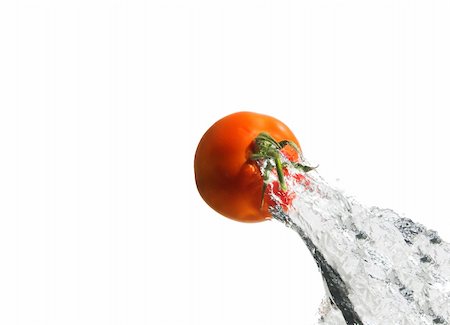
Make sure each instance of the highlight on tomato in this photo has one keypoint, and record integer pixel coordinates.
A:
(241, 163)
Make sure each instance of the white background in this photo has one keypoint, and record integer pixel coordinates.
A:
(102, 104)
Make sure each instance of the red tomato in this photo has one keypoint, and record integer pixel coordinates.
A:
(227, 174)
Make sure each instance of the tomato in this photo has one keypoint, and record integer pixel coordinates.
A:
(226, 167)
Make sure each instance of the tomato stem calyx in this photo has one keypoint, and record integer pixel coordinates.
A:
(266, 148)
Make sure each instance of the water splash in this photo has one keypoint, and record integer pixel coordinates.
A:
(377, 267)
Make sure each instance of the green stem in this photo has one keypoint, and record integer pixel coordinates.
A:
(267, 148)
(280, 171)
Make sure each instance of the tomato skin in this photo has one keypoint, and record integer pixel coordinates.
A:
(226, 178)
(274, 195)
(284, 198)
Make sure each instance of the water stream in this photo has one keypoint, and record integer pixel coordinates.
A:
(377, 267)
